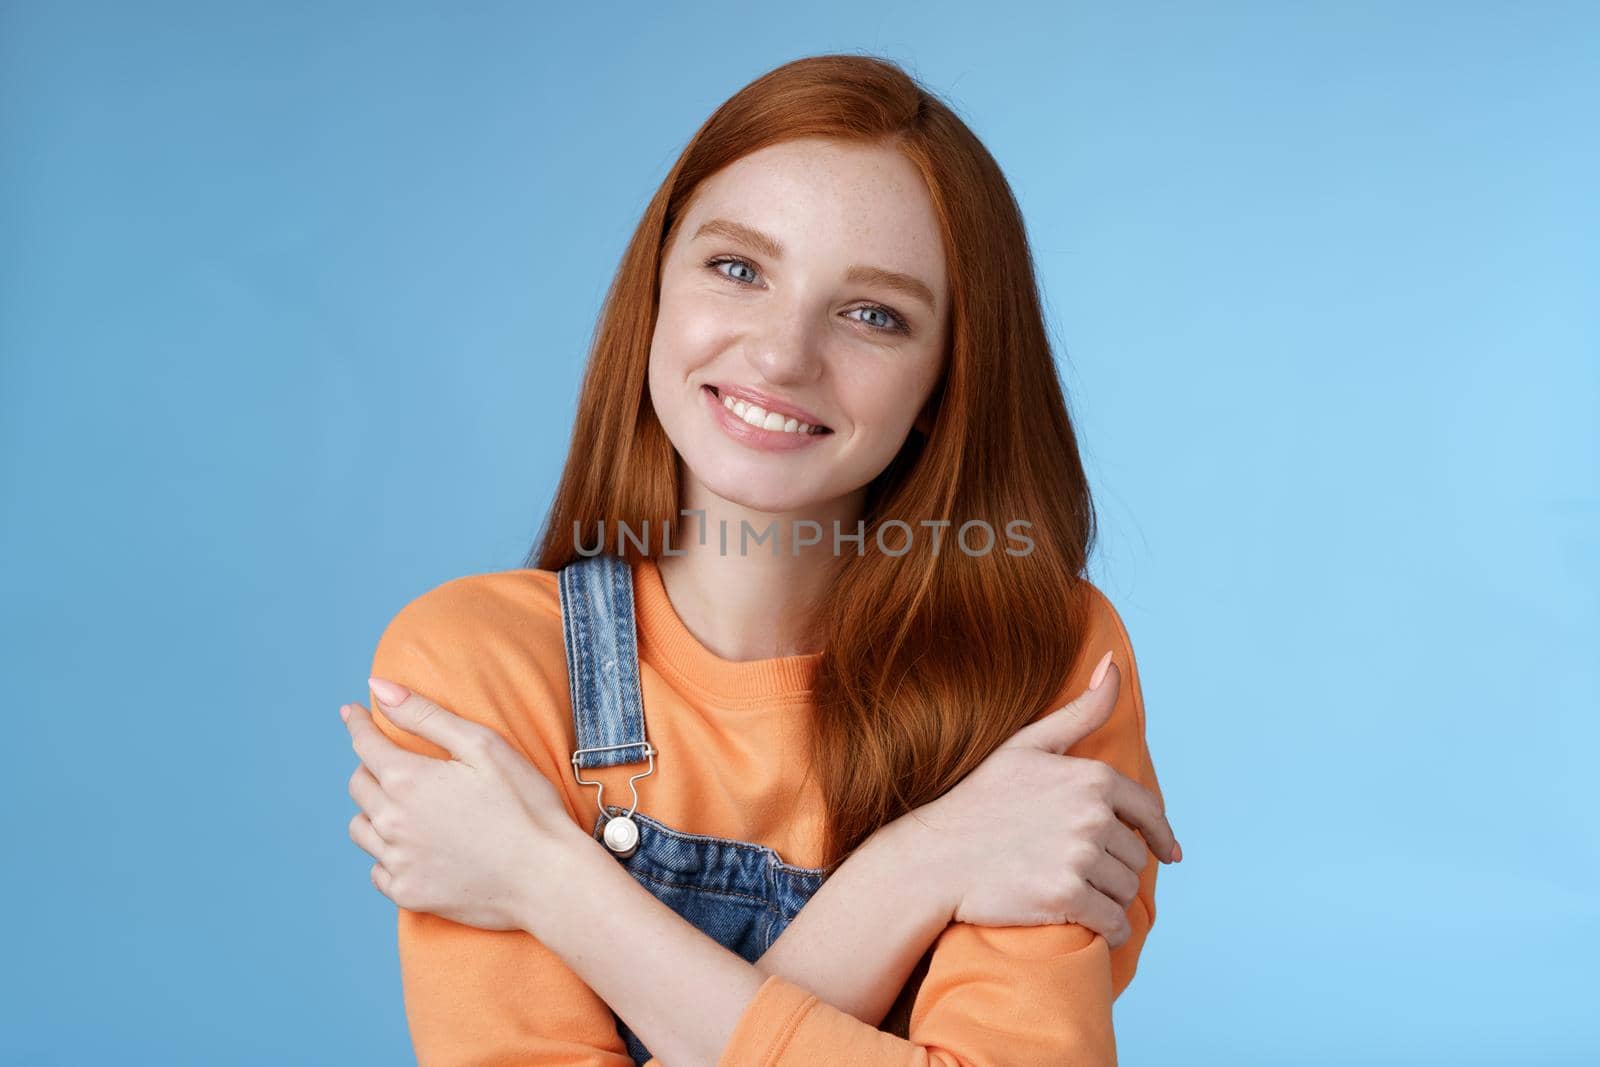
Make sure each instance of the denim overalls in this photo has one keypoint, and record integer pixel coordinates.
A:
(737, 892)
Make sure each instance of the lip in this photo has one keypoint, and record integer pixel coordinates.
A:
(766, 401)
(753, 436)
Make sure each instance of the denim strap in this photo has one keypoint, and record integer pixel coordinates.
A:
(602, 660)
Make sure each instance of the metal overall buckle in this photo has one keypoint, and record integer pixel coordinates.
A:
(621, 833)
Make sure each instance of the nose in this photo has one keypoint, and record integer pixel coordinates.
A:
(787, 351)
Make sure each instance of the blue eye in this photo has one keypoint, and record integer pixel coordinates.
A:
(895, 323)
(714, 264)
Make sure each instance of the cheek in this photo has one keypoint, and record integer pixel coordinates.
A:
(687, 335)
(678, 351)
(887, 399)
(672, 350)
(697, 326)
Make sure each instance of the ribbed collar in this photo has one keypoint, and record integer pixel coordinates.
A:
(671, 648)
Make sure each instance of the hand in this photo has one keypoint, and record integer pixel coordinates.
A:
(463, 838)
(1034, 837)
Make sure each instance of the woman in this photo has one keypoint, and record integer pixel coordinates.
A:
(825, 332)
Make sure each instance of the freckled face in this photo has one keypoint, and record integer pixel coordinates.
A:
(807, 280)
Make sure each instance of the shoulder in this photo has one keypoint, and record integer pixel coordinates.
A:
(1102, 630)
(1121, 739)
(487, 647)
(476, 606)
(1106, 631)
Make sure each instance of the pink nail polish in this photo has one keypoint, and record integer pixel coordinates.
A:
(1099, 674)
(391, 694)
(1177, 852)
(344, 712)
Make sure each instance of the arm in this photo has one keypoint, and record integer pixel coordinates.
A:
(484, 1011)
(866, 953)
(479, 997)
(991, 995)
(863, 932)
(475, 996)
(855, 942)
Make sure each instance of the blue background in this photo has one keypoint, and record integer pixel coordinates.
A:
(293, 309)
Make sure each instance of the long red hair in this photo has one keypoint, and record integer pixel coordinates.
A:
(929, 661)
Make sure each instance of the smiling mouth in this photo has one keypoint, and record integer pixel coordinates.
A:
(762, 414)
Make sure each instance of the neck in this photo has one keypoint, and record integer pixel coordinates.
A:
(754, 601)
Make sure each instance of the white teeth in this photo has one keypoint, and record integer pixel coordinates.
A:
(766, 420)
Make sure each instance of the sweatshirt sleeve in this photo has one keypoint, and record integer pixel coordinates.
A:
(479, 998)
(1013, 996)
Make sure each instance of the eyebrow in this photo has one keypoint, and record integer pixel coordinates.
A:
(772, 248)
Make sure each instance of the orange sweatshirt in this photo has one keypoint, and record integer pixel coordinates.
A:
(488, 647)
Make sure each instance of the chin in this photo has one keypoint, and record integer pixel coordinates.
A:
(759, 495)
(753, 489)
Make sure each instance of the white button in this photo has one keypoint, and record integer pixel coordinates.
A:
(622, 835)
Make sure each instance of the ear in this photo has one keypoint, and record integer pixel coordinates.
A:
(924, 421)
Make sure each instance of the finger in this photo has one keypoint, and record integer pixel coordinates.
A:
(1104, 916)
(382, 879)
(1113, 878)
(381, 755)
(368, 793)
(1127, 846)
(1072, 722)
(1139, 806)
(363, 833)
(416, 714)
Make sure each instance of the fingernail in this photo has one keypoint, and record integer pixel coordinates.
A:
(390, 694)
(1099, 674)
(344, 712)
(1177, 852)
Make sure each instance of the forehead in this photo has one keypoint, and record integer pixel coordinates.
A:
(830, 202)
